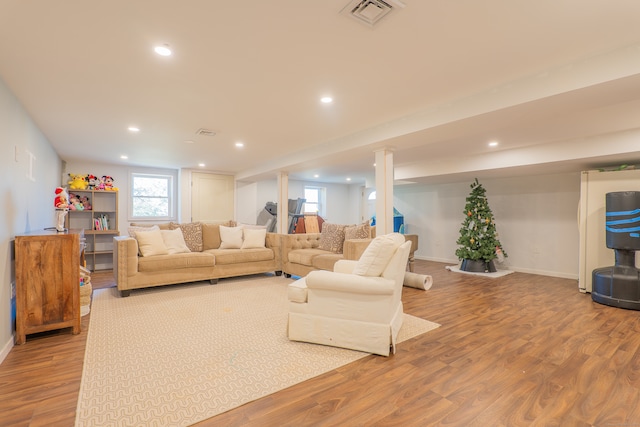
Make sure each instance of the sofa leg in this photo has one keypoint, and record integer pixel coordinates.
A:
(287, 275)
(126, 293)
(279, 273)
(213, 281)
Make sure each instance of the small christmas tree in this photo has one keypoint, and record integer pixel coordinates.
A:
(478, 238)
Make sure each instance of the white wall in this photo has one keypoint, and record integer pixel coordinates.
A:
(343, 201)
(536, 219)
(30, 173)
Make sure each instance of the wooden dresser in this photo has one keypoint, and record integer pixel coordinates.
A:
(47, 281)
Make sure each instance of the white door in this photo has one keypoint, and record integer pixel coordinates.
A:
(212, 197)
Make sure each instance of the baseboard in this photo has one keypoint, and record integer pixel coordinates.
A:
(6, 349)
(511, 267)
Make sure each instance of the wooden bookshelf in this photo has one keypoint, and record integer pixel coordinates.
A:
(100, 224)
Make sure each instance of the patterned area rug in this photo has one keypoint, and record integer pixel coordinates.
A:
(179, 354)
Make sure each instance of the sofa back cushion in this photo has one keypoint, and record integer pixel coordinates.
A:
(211, 234)
(332, 237)
(151, 243)
(174, 241)
(376, 257)
(192, 233)
(358, 231)
(231, 237)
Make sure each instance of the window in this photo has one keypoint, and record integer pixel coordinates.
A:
(152, 196)
(315, 200)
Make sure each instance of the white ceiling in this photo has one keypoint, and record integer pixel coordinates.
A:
(556, 82)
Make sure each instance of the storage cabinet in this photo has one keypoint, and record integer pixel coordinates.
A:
(100, 224)
(47, 282)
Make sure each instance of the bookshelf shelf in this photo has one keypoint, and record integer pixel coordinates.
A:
(100, 224)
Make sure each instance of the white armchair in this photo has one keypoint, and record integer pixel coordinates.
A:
(356, 306)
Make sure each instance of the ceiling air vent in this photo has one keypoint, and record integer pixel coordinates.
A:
(205, 132)
(370, 12)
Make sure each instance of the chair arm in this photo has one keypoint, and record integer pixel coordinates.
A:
(351, 283)
(344, 266)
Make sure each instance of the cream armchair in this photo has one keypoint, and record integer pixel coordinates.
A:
(356, 306)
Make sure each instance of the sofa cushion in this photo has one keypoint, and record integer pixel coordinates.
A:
(174, 241)
(253, 238)
(332, 237)
(192, 233)
(377, 255)
(231, 237)
(151, 243)
(134, 228)
(237, 256)
(359, 231)
(305, 256)
(176, 261)
(326, 261)
(211, 234)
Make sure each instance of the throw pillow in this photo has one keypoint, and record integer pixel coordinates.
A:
(360, 231)
(376, 257)
(174, 241)
(231, 237)
(151, 243)
(134, 228)
(254, 238)
(192, 233)
(211, 234)
(331, 238)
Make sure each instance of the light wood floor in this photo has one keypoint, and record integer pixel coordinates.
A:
(522, 350)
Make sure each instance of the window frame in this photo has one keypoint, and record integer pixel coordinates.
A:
(171, 180)
(322, 199)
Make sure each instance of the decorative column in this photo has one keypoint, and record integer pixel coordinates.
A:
(384, 191)
(283, 203)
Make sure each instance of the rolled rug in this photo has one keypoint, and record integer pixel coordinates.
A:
(418, 281)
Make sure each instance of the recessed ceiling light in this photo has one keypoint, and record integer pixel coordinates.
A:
(162, 50)
(239, 144)
(493, 144)
(123, 157)
(201, 165)
(189, 142)
(326, 100)
(316, 176)
(348, 179)
(133, 129)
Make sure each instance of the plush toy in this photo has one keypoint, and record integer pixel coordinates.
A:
(108, 183)
(100, 183)
(85, 203)
(62, 198)
(74, 203)
(78, 182)
(92, 182)
(61, 202)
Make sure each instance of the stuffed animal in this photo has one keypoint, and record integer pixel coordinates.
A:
(78, 182)
(92, 182)
(74, 203)
(108, 183)
(61, 202)
(62, 198)
(85, 203)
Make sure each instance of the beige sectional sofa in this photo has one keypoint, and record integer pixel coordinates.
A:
(207, 259)
(303, 253)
